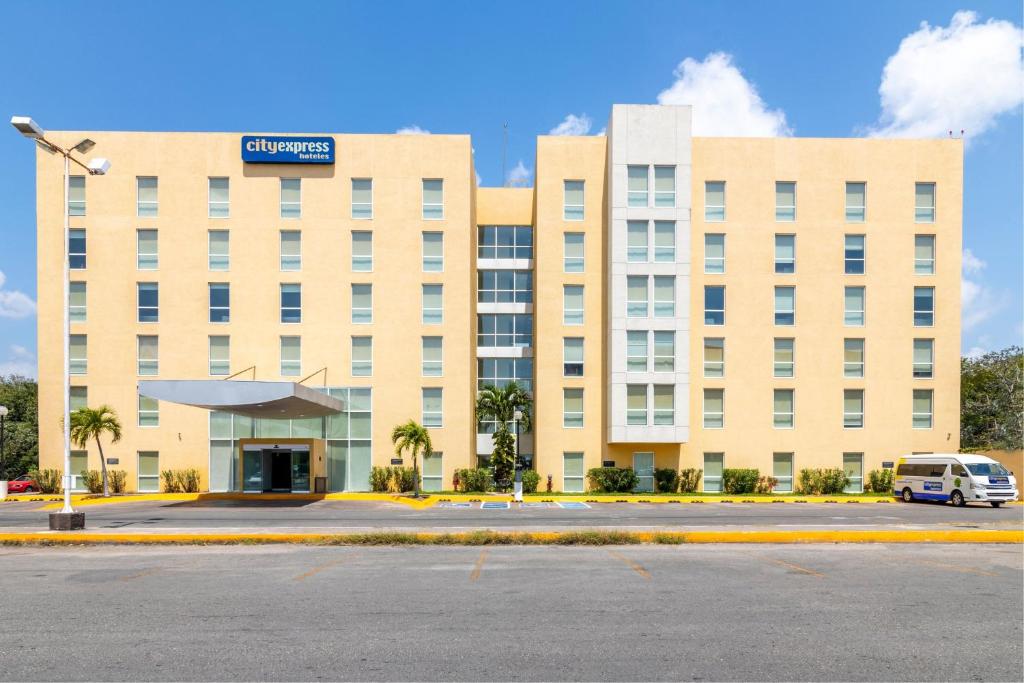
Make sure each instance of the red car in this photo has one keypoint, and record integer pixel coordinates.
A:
(23, 484)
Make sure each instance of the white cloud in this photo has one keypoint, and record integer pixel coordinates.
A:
(724, 102)
(978, 301)
(519, 176)
(19, 361)
(971, 263)
(975, 352)
(573, 125)
(412, 130)
(960, 77)
(14, 304)
(479, 180)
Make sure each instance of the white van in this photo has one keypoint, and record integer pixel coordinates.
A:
(960, 478)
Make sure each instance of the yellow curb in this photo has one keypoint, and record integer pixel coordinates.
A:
(93, 499)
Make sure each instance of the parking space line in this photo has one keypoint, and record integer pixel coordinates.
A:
(139, 575)
(319, 568)
(475, 574)
(956, 568)
(794, 567)
(635, 566)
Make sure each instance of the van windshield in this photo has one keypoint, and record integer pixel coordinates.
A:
(981, 469)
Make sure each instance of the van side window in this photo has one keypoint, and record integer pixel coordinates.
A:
(959, 471)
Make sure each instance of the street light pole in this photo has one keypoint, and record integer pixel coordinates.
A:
(3, 477)
(518, 485)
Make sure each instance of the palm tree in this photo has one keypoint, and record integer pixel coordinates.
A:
(412, 437)
(92, 423)
(501, 405)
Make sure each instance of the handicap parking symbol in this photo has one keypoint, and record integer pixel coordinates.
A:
(495, 505)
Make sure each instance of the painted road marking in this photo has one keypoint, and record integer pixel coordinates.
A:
(319, 568)
(794, 567)
(572, 505)
(957, 568)
(495, 505)
(447, 504)
(475, 574)
(635, 566)
(537, 506)
(144, 572)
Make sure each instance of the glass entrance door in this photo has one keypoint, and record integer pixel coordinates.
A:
(300, 471)
(280, 471)
(643, 465)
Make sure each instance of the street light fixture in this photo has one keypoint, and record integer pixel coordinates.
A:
(67, 518)
(517, 487)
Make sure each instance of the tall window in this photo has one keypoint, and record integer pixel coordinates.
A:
(504, 329)
(572, 304)
(433, 471)
(714, 305)
(291, 356)
(853, 408)
(636, 350)
(664, 296)
(572, 408)
(664, 351)
(714, 253)
(664, 404)
(433, 304)
(782, 470)
(218, 198)
(572, 473)
(785, 305)
(362, 356)
(220, 355)
(664, 241)
(291, 250)
(149, 412)
(714, 408)
(924, 358)
(148, 355)
(783, 357)
(218, 246)
(572, 209)
(78, 354)
(922, 409)
(924, 254)
(636, 404)
(79, 398)
(636, 296)
(146, 250)
(572, 252)
(146, 196)
(433, 410)
(362, 198)
(714, 200)
(785, 201)
(76, 195)
(291, 303)
(714, 357)
(149, 472)
(148, 298)
(362, 303)
(433, 199)
(76, 248)
(853, 467)
(783, 410)
(362, 251)
(855, 195)
(924, 202)
(572, 356)
(785, 254)
(77, 302)
(665, 186)
(853, 306)
(853, 254)
(924, 306)
(636, 241)
(505, 242)
(432, 356)
(853, 358)
(433, 252)
(637, 186)
(713, 463)
(291, 197)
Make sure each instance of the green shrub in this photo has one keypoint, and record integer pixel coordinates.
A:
(169, 481)
(880, 481)
(478, 480)
(689, 480)
(378, 479)
(739, 480)
(50, 481)
(822, 481)
(612, 479)
(117, 480)
(530, 481)
(765, 484)
(180, 481)
(666, 480)
(92, 480)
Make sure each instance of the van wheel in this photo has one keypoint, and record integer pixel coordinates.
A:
(908, 495)
(957, 499)
(995, 504)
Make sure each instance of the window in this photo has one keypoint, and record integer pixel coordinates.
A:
(77, 302)
(291, 198)
(714, 305)
(784, 358)
(433, 252)
(572, 408)
(636, 241)
(924, 254)
(433, 415)
(714, 253)
(855, 193)
(922, 409)
(148, 355)
(924, 358)
(714, 357)
(78, 354)
(637, 186)
(76, 195)
(500, 372)
(433, 472)
(145, 195)
(636, 404)
(782, 470)
(853, 408)
(433, 199)
(362, 198)
(76, 248)
(664, 351)
(146, 250)
(853, 254)
(785, 201)
(664, 404)
(291, 356)
(219, 205)
(636, 296)
(362, 251)
(924, 202)
(713, 472)
(783, 409)
(664, 296)
(504, 329)
(220, 355)
(714, 200)
(853, 467)
(572, 473)
(291, 250)
(79, 398)
(572, 252)
(504, 286)
(714, 408)
(572, 304)
(785, 254)
(291, 303)
(149, 412)
(505, 242)
(362, 356)
(636, 350)
(665, 186)
(924, 306)
(572, 357)
(853, 358)
(433, 304)
(432, 356)
(664, 241)
(853, 306)
(785, 305)
(362, 303)
(148, 296)
(218, 249)
(573, 200)
(149, 472)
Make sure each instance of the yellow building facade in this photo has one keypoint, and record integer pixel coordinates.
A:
(670, 302)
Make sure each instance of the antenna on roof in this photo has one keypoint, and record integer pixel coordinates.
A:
(504, 152)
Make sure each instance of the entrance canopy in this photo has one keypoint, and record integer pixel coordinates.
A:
(285, 400)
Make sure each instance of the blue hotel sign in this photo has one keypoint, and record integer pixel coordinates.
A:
(273, 149)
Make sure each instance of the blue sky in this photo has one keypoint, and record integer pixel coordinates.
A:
(806, 68)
